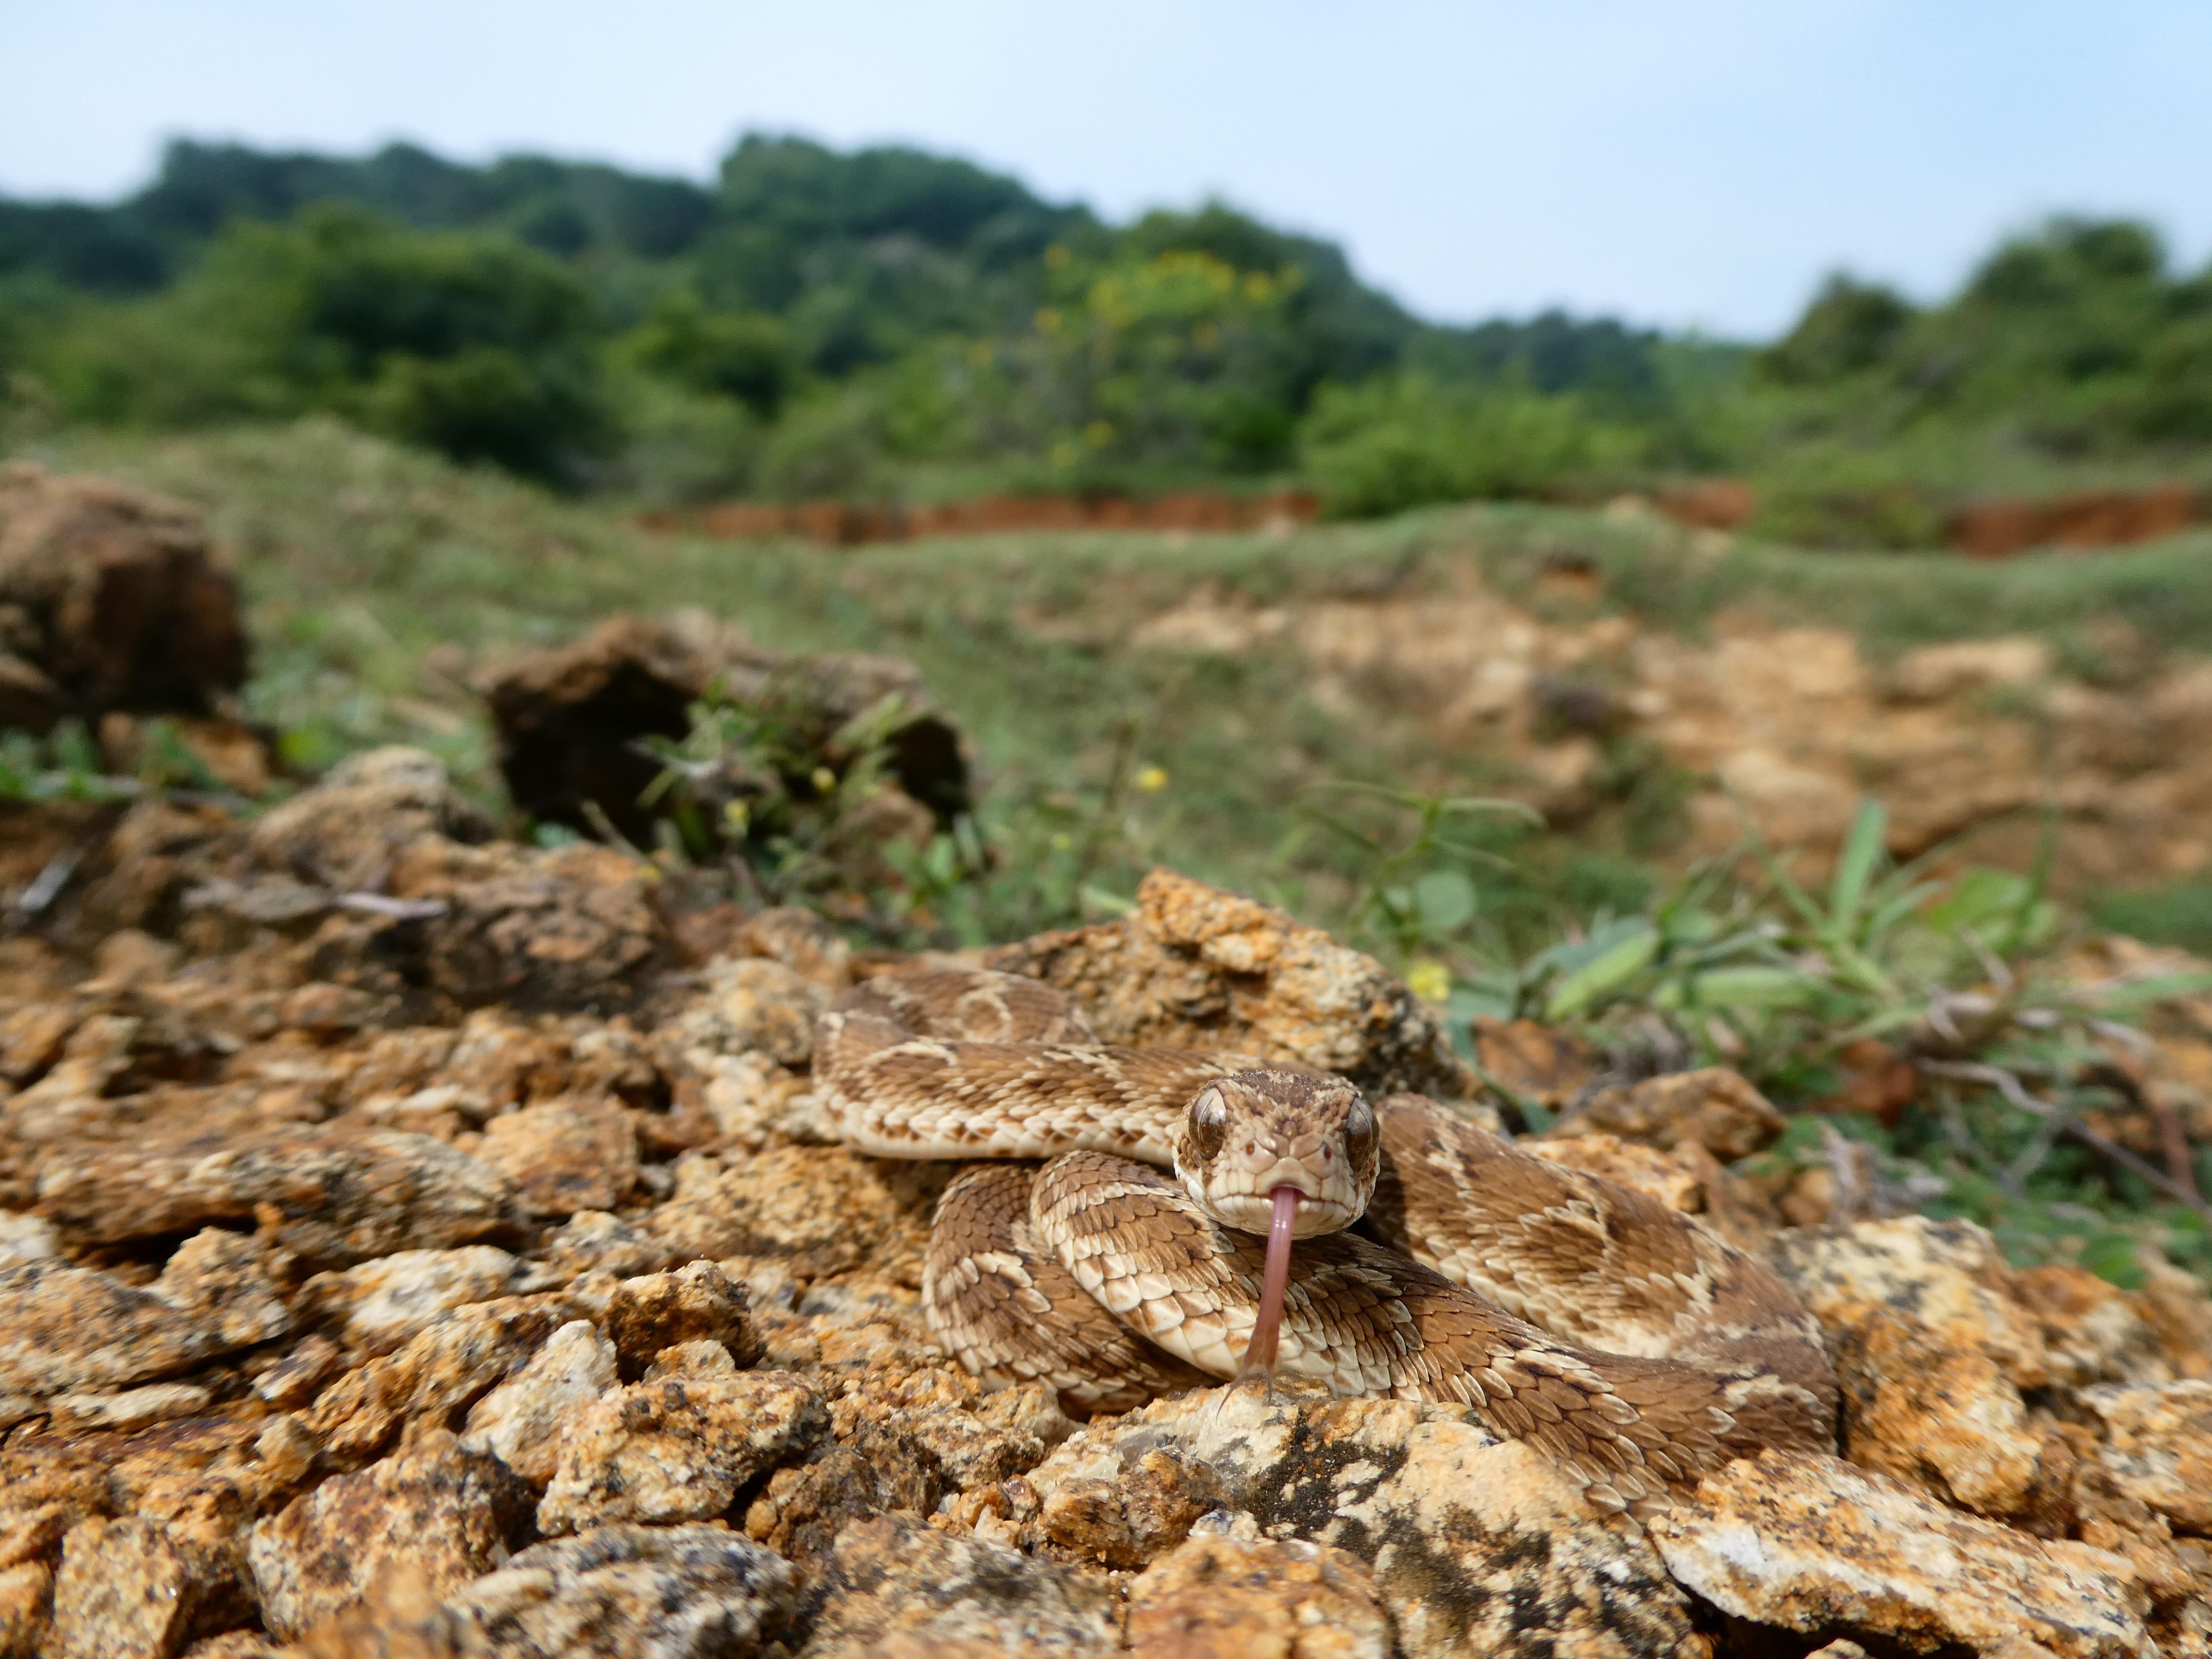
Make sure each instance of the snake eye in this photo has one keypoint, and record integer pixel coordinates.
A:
(1209, 1122)
(1359, 1132)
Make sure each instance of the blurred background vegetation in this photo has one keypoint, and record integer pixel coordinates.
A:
(890, 326)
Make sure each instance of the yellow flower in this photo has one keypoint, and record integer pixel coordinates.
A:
(734, 815)
(1258, 286)
(1152, 779)
(1063, 842)
(825, 780)
(1428, 980)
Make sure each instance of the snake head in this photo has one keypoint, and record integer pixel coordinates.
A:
(1244, 1136)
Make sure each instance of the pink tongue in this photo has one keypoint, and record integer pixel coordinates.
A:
(1267, 1334)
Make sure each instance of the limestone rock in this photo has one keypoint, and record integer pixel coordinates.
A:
(754, 1005)
(1475, 1546)
(67, 1327)
(2158, 1446)
(822, 1210)
(223, 1278)
(123, 1592)
(1811, 1544)
(595, 1240)
(1194, 966)
(445, 1370)
(1931, 1351)
(627, 1593)
(564, 1156)
(433, 1508)
(337, 1198)
(676, 1448)
(1221, 1597)
(132, 1409)
(2092, 1331)
(379, 1305)
(1714, 1109)
(895, 1587)
(523, 1419)
(343, 833)
(26, 1591)
(696, 1303)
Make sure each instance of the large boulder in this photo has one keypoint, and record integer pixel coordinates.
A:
(111, 599)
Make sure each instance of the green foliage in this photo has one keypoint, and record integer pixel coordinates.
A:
(1392, 443)
(474, 345)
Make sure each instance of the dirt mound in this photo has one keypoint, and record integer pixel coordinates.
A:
(111, 601)
(2088, 518)
(839, 524)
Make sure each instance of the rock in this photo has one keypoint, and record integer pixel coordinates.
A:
(123, 1592)
(1538, 1062)
(2092, 1331)
(1194, 966)
(803, 942)
(223, 1278)
(629, 1593)
(753, 1004)
(569, 719)
(335, 1198)
(26, 1603)
(1222, 1597)
(821, 1210)
(1812, 1545)
(459, 1359)
(895, 1587)
(344, 834)
(2158, 1446)
(434, 1508)
(676, 1448)
(1626, 1163)
(696, 1303)
(65, 1328)
(132, 1409)
(1931, 1351)
(1475, 1546)
(298, 1377)
(521, 1421)
(110, 599)
(595, 1241)
(25, 1238)
(563, 1156)
(1714, 1109)
(379, 1305)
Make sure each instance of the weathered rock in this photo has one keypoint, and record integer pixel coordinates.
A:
(696, 1303)
(110, 599)
(344, 834)
(595, 1241)
(223, 1278)
(25, 1238)
(1218, 1597)
(563, 1156)
(27, 1590)
(2092, 1331)
(1475, 1546)
(895, 1587)
(823, 1210)
(298, 1376)
(433, 1508)
(1194, 967)
(1812, 1545)
(676, 1448)
(1931, 1351)
(522, 1420)
(2158, 1446)
(629, 1593)
(123, 1592)
(1537, 1062)
(336, 1198)
(447, 1369)
(131, 1410)
(752, 1005)
(380, 1304)
(1714, 1109)
(67, 1328)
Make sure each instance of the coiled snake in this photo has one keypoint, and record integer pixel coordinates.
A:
(1581, 1316)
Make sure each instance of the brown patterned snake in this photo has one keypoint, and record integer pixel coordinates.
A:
(1578, 1314)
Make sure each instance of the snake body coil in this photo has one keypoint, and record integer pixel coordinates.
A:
(1584, 1316)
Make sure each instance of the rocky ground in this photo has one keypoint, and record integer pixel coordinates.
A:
(417, 1244)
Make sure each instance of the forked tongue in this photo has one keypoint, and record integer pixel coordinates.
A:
(1267, 1334)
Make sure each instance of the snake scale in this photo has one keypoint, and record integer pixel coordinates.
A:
(1585, 1317)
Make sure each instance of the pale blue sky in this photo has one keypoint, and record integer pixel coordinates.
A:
(1689, 162)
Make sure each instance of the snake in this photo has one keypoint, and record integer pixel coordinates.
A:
(1133, 1222)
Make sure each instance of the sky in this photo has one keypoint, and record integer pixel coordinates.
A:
(1688, 163)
